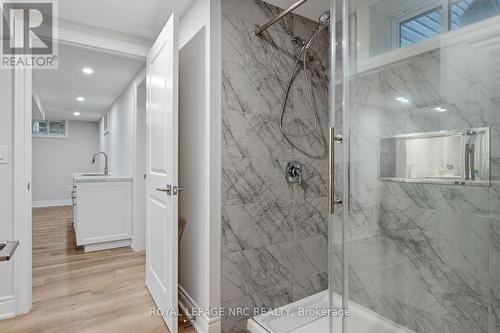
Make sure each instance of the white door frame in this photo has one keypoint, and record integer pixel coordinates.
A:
(22, 156)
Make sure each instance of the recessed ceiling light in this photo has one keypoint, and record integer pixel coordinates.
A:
(76, 114)
(80, 99)
(440, 109)
(87, 70)
(403, 100)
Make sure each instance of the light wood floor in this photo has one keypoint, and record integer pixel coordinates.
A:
(83, 292)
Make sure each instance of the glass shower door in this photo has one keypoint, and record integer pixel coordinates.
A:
(416, 245)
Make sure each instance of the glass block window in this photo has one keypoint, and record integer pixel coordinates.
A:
(50, 128)
(57, 127)
(39, 127)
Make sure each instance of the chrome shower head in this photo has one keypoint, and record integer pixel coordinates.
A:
(324, 19)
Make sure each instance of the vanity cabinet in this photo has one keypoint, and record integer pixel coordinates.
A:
(103, 212)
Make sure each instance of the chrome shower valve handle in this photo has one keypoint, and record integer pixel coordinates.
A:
(294, 172)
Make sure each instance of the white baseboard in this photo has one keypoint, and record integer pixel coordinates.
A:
(52, 203)
(137, 246)
(7, 307)
(106, 245)
(202, 324)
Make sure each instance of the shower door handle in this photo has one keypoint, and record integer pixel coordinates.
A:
(467, 160)
(471, 162)
(332, 199)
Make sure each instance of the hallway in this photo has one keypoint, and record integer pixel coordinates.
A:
(82, 292)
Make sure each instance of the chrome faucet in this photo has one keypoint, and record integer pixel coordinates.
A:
(106, 165)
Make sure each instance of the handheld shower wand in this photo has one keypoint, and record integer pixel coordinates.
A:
(324, 21)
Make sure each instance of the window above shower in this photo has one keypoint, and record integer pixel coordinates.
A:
(392, 30)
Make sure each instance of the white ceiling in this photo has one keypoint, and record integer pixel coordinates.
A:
(312, 9)
(143, 18)
(58, 89)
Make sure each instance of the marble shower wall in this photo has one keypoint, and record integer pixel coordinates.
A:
(426, 255)
(275, 245)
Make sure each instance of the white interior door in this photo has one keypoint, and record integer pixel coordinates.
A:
(162, 157)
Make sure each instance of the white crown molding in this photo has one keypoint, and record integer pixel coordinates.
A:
(95, 38)
(99, 42)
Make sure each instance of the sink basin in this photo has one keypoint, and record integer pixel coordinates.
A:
(2, 245)
(93, 174)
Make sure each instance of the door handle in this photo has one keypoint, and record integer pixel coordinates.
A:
(7, 250)
(333, 200)
(167, 189)
(170, 190)
(176, 190)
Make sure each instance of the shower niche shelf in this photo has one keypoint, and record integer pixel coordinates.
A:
(458, 157)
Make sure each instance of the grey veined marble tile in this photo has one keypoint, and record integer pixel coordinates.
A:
(310, 285)
(311, 257)
(265, 299)
(495, 277)
(246, 181)
(273, 51)
(315, 179)
(446, 254)
(253, 135)
(445, 198)
(256, 225)
(310, 217)
(494, 200)
(254, 303)
(257, 12)
(251, 271)
(406, 288)
(251, 90)
(308, 142)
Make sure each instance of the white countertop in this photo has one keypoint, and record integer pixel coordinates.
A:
(94, 178)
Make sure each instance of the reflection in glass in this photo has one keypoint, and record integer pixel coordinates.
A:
(465, 12)
(451, 157)
(395, 24)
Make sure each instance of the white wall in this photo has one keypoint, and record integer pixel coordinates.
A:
(6, 193)
(139, 226)
(192, 164)
(204, 16)
(121, 145)
(55, 160)
(119, 142)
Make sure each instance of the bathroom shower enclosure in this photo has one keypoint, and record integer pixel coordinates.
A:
(407, 141)
(417, 240)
